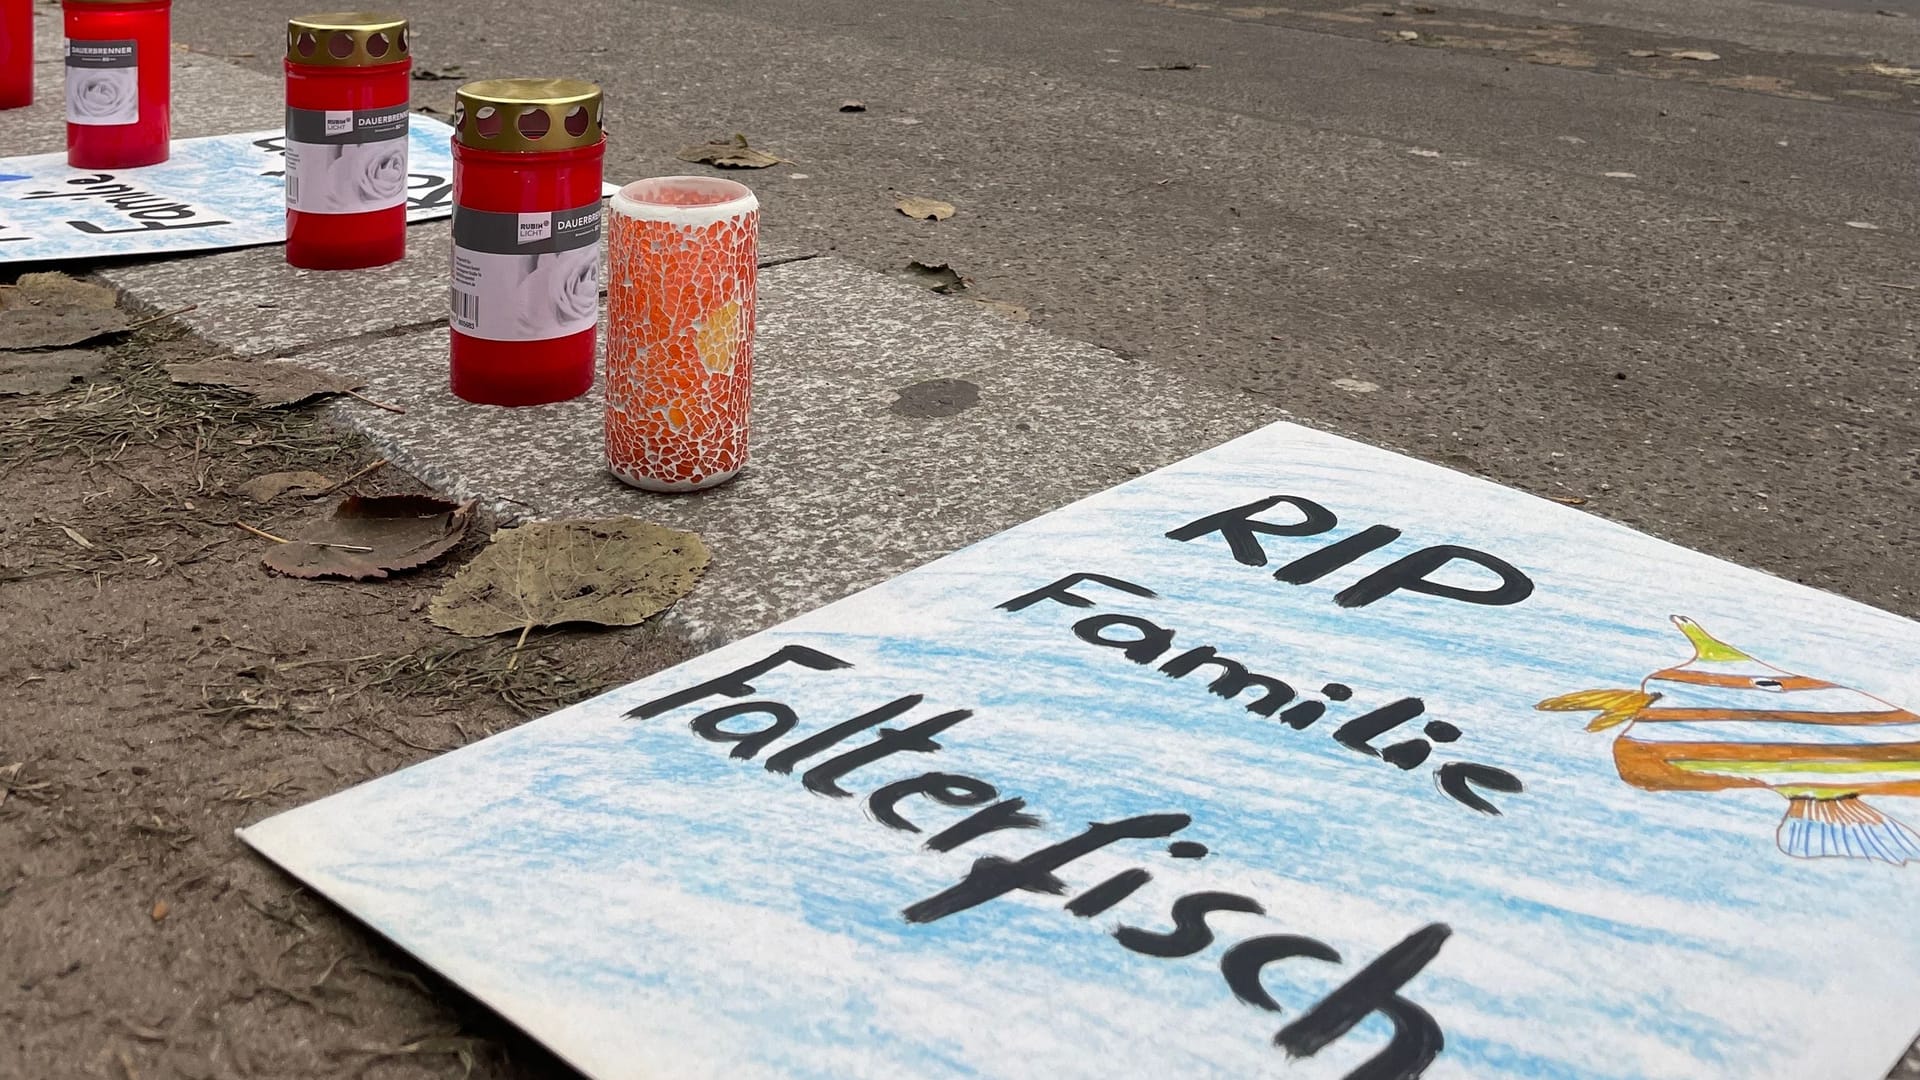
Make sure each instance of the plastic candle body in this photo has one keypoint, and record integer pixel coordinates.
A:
(16, 53)
(525, 297)
(348, 102)
(681, 258)
(119, 84)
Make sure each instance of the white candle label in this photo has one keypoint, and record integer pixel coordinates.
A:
(103, 82)
(525, 277)
(343, 161)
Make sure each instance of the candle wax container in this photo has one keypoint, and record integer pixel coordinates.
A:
(681, 267)
(16, 53)
(348, 103)
(119, 84)
(525, 299)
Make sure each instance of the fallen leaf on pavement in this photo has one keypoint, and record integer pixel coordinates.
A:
(729, 154)
(265, 489)
(40, 326)
(450, 73)
(1894, 71)
(1569, 500)
(921, 208)
(1356, 386)
(367, 538)
(46, 372)
(269, 383)
(939, 277)
(1695, 54)
(851, 105)
(54, 287)
(1868, 225)
(1001, 307)
(1643, 53)
(160, 909)
(610, 572)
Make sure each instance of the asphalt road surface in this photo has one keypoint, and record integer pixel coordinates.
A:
(1518, 237)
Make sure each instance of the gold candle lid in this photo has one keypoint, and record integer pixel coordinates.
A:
(348, 39)
(523, 116)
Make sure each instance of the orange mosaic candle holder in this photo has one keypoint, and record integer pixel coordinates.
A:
(681, 256)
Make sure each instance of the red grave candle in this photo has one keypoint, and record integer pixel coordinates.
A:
(348, 103)
(119, 86)
(16, 53)
(525, 301)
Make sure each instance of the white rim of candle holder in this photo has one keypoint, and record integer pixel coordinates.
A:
(631, 201)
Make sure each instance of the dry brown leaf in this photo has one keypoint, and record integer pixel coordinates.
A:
(1695, 54)
(54, 287)
(729, 154)
(265, 489)
(47, 372)
(850, 105)
(939, 277)
(1569, 500)
(921, 208)
(609, 572)
(42, 326)
(367, 538)
(74, 535)
(268, 382)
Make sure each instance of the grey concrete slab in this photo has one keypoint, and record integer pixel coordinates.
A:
(251, 302)
(844, 488)
(1704, 348)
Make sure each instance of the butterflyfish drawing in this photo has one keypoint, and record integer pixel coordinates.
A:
(1724, 720)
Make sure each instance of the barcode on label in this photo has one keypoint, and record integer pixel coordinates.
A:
(293, 188)
(466, 307)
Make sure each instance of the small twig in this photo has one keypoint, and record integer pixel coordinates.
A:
(362, 549)
(376, 404)
(1902, 288)
(765, 263)
(518, 645)
(371, 468)
(150, 320)
(263, 534)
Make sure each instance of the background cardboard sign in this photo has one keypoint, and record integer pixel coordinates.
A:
(225, 191)
(1241, 768)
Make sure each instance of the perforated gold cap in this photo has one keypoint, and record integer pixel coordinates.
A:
(527, 116)
(348, 39)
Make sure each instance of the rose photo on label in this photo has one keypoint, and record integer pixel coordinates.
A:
(560, 295)
(103, 95)
(346, 178)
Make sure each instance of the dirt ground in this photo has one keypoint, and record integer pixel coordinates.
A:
(159, 688)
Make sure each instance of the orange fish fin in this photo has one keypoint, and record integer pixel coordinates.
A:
(1616, 706)
(1845, 828)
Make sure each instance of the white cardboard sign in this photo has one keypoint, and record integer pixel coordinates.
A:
(225, 191)
(1296, 758)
